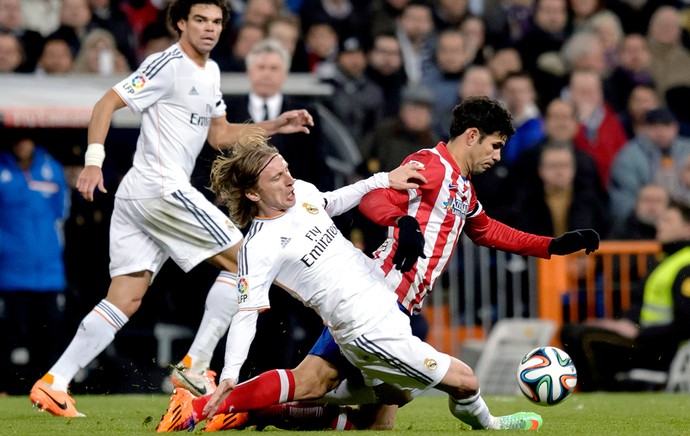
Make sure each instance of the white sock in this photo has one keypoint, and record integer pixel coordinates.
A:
(346, 393)
(472, 411)
(96, 331)
(221, 305)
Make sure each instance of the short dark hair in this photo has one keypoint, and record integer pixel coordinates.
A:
(484, 113)
(179, 10)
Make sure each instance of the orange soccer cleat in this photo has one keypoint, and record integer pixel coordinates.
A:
(180, 413)
(227, 421)
(55, 402)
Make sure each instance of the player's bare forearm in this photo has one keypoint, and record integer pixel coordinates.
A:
(223, 135)
(102, 115)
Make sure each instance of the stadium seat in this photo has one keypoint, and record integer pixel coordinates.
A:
(509, 340)
(679, 374)
(165, 335)
(677, 379)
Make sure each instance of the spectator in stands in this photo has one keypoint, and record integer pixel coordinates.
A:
(670, 59)
(56, 57)
(632, 69)
(344, 16)
(415, 30)
(395, 138)
(651, 156)
(247, 36)
(477, 81)
(259, 12)
(75, 22)
(640, 224)
(473, 28)
(518, 93)
(649, 333)
(444, 74)
(42, 16)
(557, 205)
(107, 15)
(507, 21)
(503, 62)
(321, 43)
(607, 26)
(12, 21)
(546, 36)
(268, 63)
(601, 133)
(286, 29)
(635, 14)
(584, 51)
(642, 99)
(384, 15)
(11, 53)
(34, 198)
(448, 14)
(156, 37)
(560, 128)
(99, 55)
(384, 68)
(356, 100)
(580, 12)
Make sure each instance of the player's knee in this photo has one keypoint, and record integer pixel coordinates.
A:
(312, 385)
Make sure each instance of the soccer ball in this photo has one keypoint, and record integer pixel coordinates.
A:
(547, 376)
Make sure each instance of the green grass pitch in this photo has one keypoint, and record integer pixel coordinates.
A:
(581, 414)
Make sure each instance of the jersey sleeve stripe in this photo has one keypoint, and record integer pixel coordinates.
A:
(153, 69)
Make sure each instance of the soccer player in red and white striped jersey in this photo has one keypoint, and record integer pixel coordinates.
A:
(425, 225)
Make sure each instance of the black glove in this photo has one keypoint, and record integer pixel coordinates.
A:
(570, 242)
(410, 244)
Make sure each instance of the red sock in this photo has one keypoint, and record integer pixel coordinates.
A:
(271, 387)
(198, 404)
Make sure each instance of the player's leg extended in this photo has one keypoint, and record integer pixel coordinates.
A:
(192, 372)
(96, 331)
(466, 403)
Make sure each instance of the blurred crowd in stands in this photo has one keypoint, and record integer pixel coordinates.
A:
(599, 90)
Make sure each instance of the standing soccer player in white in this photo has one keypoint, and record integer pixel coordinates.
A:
(158, 214)
(294, 241)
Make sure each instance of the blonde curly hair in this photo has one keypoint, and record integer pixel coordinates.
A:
(236, 173)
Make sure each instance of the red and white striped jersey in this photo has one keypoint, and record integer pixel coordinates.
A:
(444, 206)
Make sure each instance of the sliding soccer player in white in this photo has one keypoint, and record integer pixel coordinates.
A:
(293, 240)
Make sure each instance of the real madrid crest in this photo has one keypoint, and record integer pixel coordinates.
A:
(430, 364)
(311, 209)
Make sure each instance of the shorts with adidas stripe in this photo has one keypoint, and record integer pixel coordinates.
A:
(184, 226)
(389, 353)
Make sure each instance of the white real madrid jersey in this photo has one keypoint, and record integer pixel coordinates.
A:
(177, 100)
(304, 252)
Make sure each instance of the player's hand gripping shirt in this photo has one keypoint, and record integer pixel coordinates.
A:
(444, 206)
(177, 100)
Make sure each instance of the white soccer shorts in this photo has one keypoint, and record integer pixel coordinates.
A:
(184, 226)
(390, 353)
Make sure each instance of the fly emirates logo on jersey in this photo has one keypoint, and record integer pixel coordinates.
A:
(196, 119)
(322, 239)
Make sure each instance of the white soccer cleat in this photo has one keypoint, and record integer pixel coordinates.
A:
(199, 385)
